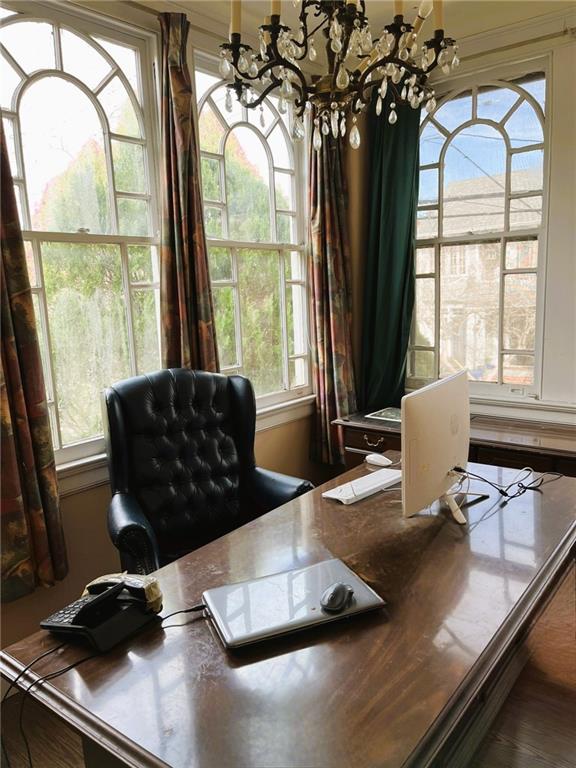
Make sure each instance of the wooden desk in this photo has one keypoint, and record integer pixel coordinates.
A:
(378, 690)
(502, 442)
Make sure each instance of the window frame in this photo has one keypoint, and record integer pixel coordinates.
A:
(208, 64)
(503, 75)
(85, 23)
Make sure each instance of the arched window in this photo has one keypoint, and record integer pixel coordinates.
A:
(252, 189)
(74, 113)
(479, 225)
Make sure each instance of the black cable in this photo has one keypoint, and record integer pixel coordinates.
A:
(199, 607)
(40, 681)
(13, 683)
(522, 487)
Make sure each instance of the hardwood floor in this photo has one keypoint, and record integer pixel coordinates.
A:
(536, 727)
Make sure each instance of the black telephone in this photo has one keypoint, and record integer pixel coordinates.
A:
(112, 608)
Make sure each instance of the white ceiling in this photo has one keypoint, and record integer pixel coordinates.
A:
(461, 17)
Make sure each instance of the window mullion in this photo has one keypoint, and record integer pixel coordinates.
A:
(284, 320)
(129, 314)
(237, 312)
(501, 307)
(57, 46)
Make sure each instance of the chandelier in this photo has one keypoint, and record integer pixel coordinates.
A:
(394, 63)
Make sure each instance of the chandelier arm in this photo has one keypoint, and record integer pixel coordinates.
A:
(256, 103)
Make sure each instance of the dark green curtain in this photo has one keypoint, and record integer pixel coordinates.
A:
(389, 274)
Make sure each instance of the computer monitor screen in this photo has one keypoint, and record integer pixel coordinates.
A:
(435, 425)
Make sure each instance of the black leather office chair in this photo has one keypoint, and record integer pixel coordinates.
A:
(180, 447)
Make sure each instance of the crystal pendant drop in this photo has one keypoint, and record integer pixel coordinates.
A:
(442, 57)
(455, 62)
(414, 102)
(228, 100)
(263, 50)
(286, 88)
(354, 137)
(392, 117)
(403, 94)
(383, 87)
(281, 106)
(262, 119)
(297, 129)
(334, 123)
(253, 69)
(430, 56)
(317, 140)
(312, 53)
(446, 69)
(342, 78)
(336, 45)
(343, 125)
(379, 105)
(404, 55)
(397, 75)
(431, 105)
(325, 128)
(224, 67)
(243, 63)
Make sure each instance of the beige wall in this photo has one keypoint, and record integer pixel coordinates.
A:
(90, 552)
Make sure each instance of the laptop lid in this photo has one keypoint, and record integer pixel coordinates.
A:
(251, 611)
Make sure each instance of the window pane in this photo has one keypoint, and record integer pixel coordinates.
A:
(145, 319)
(211, 179)
(127, 60)
(10, 145)
(424, 260)
(422, 364)
(298, 372)
(518, 369)
(455, 112)
(521, 254)
(43, 350)
(474, 182)
(469, 303)
(80, 59)
(527, 171)
(286, 228)
(204, 82)
(431, 141)
(219, 98)
(64, 158)
(536, 87)
(525, 212)
(8, 82)
(494, 102)
(428, 188)
(519, 311)
(424, 312)
(295, 318)
(119, 109)
(220, 264)
(129, 167)
(142, 264)
(426, 224)
(31, 44)
(247, 186)
(524, 127)
(225, 315)
(284, 197)
(294, 266)
(279, 148)
(133, 217)
(213, 221)
(30, 264)
(87, 318)
(210, 129)
(259, 279)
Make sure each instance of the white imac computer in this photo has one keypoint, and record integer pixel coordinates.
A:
(435, 424)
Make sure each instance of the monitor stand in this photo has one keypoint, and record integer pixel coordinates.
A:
(456, 508)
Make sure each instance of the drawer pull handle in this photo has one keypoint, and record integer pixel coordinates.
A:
(373, 445)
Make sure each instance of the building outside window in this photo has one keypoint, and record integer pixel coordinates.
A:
(78, 119)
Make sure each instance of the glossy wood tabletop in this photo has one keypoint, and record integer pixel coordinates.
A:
(368, 691)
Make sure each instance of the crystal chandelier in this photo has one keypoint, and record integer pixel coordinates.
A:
(392, 63)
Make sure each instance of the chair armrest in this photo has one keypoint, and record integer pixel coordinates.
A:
(268, 490)
(132, 535)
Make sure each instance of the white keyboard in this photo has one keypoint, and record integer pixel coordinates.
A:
(365, 486)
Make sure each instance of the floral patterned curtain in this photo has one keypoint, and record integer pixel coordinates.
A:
(188, 330)
(33, 548)
(331, 307)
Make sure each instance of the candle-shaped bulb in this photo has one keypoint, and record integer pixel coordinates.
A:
(275, 7)
(235, 17)
(438, 14)
(423, 13)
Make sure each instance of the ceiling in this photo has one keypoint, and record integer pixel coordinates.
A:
(462, 17)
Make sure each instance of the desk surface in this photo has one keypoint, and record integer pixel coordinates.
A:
(371, 691)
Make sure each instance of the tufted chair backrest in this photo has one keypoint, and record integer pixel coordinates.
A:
(179, 441)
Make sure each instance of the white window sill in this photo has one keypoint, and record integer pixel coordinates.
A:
(83, 474)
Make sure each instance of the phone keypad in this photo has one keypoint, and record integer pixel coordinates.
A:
(68, 614)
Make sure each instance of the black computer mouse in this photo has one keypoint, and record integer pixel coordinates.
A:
(337, 597)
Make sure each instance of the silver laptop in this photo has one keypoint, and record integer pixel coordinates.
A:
(251, 611)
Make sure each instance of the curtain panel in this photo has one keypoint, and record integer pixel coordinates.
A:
(389, 270)
(187, 311)
(33, 547)
(331, 315)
